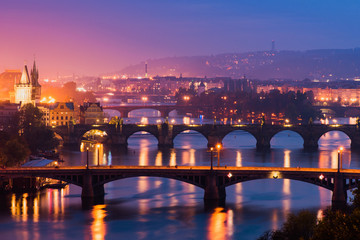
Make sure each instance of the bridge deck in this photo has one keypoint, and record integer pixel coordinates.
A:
(75, 169)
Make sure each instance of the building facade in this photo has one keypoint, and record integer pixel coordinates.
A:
(8, 113)
(27, 89)
(58, 114)
(91, 113)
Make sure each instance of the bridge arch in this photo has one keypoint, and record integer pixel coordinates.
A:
(287, 139)
(334, 138)
(141, 131)
(94, 135)
(326, 183)
(192, 134)
(232, 138)
(193, 180)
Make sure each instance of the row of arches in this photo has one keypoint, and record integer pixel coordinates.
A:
(236, 139)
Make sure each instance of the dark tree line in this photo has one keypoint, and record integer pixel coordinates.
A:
(335, 225)
(28, 135)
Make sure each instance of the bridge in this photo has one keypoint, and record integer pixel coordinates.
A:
(163, 109)
(119, 133)
(338, 110)
(213, 181)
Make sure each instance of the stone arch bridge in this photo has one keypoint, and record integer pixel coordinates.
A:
(163, 109)
(118, 134)
(213, 181)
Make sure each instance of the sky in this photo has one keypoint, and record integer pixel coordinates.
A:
(94, 37)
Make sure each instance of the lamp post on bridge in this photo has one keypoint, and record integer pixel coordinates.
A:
(98, 154)
(218, 147)
(340, 159)
(211, 156)
(87, 158)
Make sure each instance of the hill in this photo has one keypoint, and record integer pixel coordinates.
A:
(323, 64)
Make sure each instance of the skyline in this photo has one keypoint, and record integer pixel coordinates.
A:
(92, 38)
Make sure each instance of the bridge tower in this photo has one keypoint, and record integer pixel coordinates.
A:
(165, 137)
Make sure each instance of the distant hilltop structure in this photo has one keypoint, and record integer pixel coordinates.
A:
(27, 89)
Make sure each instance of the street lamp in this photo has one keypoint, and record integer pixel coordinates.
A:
(211, 154)
(87, 158)
(340, 158)
(218, 147)
(98, 153)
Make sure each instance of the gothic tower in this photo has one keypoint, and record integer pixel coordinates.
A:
(36, 87)
(28, 89)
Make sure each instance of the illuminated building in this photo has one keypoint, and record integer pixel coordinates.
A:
(91, 113)
(58, 114)
(28, 89)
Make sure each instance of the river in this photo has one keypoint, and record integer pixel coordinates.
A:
(157, 208)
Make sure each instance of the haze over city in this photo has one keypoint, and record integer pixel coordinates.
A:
(93, 38)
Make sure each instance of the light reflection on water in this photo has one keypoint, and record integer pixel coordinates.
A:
(151, 208)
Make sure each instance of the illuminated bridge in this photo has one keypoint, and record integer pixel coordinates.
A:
(118, 134)
(214, 181)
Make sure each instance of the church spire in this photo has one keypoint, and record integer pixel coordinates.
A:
(25, 79)
(35, 75)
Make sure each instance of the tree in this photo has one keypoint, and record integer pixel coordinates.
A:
(29, 116)
(36, 134)
(335, 225)
(13, 152)
(41, 139)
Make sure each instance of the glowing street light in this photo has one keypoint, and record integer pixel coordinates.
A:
(87, 158)
(144, 99)
(340, 158)
(218, 147)
(211, 157)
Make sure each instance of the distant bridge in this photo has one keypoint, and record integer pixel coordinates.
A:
(118, 134)
(163, 109)
(214, 182)
(339, 111)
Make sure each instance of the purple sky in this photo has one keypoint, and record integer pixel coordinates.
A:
(91, 37)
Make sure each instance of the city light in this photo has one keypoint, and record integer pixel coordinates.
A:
(186, 98)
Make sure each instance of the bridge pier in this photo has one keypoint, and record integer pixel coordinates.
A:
(119, 140)
(212, 190)
(262, 144)
(213, 140)
(310, 144)
(355, 144)
(87, 187)
(165, 142)
(165, 139)
(339, 197)
(91, 194)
